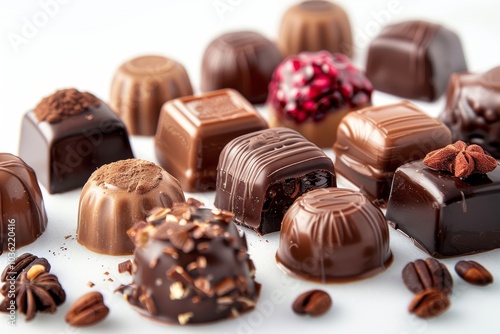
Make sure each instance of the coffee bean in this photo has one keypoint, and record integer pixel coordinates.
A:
(313, 302)
(473, 273)
(429, 303)
(422, 275)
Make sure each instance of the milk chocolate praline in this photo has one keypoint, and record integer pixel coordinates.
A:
(140, 87)
(472, 109)
(191, 266)
(315, 26)
(22, 211)
(333, 234)
(241, 60)
(117, 196)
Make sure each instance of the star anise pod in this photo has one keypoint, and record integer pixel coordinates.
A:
(42, 293)
(461, 160)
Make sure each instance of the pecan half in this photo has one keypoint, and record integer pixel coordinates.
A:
(473, 273)
(87, 310)
(422, 275)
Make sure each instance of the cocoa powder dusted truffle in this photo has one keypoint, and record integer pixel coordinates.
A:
(117, 196)
(190, 266)
(311, 92)
(68, 136)
(140, 87)
(22, 211)
(333, 234)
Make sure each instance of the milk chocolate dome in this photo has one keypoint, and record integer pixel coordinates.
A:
(242, 60)
(314, 26)
(22, 212)
(333, 234)
(141, 86)
(117, 196)
(191, 266)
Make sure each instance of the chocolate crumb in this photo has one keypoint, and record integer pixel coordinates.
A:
(106, 273)
(90, 284)
(63, 104)
(67, 236)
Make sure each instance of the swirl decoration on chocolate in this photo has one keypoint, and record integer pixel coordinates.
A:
(461, 160)
(15, 167)
(63, 104)
(333, 234)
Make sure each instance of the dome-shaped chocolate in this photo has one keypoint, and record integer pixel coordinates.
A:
(315, 26)
(191, 266)
(333, 234)
(244, 61)
(22, 212)
(141, 86)
(117, 196)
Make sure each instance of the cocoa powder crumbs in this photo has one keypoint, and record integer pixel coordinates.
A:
(133, 175)
(63, 104)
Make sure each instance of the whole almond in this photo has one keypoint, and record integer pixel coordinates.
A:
(429, 303)
(473, 273)
(87, 310)
(313, 302)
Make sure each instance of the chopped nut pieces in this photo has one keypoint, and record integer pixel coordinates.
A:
(473, 273)
(313, 302)
(87, 310)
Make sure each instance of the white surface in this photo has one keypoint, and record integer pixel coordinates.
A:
(81, 45)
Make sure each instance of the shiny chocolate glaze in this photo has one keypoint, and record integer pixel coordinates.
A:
(140, 87)
(193, 130)
(472, 109)
(117, 196)
(191, 270)
(444, 215)
(414, 59)
(333, 234)
(373, 142)
(241, 60)
(260, 174)
(22, 212)
(64, 154)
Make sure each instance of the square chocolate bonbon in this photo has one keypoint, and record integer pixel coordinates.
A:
(373, 142)
(193, 130)
(260, 175)
(445, 215)
(66, 138)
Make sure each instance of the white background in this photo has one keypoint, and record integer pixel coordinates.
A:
(81, 43)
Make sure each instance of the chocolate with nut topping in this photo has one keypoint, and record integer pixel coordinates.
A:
(190, 266)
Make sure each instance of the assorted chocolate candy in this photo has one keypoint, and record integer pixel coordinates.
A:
(68, 136)
(193, 130)
(373, 142)
(140, 87)
(260, 175)
(118, 195)
(333, 234)
(472, 109)
(414, 59)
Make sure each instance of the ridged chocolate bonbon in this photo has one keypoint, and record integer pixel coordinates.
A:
(333, 234)
(68, 136)
(22, 212)
(117, 196)
(241, 60)
(373, 142)
(414, 59)
(445, 215)
(315, 26)
(261, 174)
(191, 266)
(193, 130)
(472, 109)
(140, 87)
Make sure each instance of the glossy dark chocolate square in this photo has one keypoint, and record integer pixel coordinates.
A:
(64, 154)
(445, 215)
(193, 130)
(260, 175)
(414, 60)
(373, 142)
